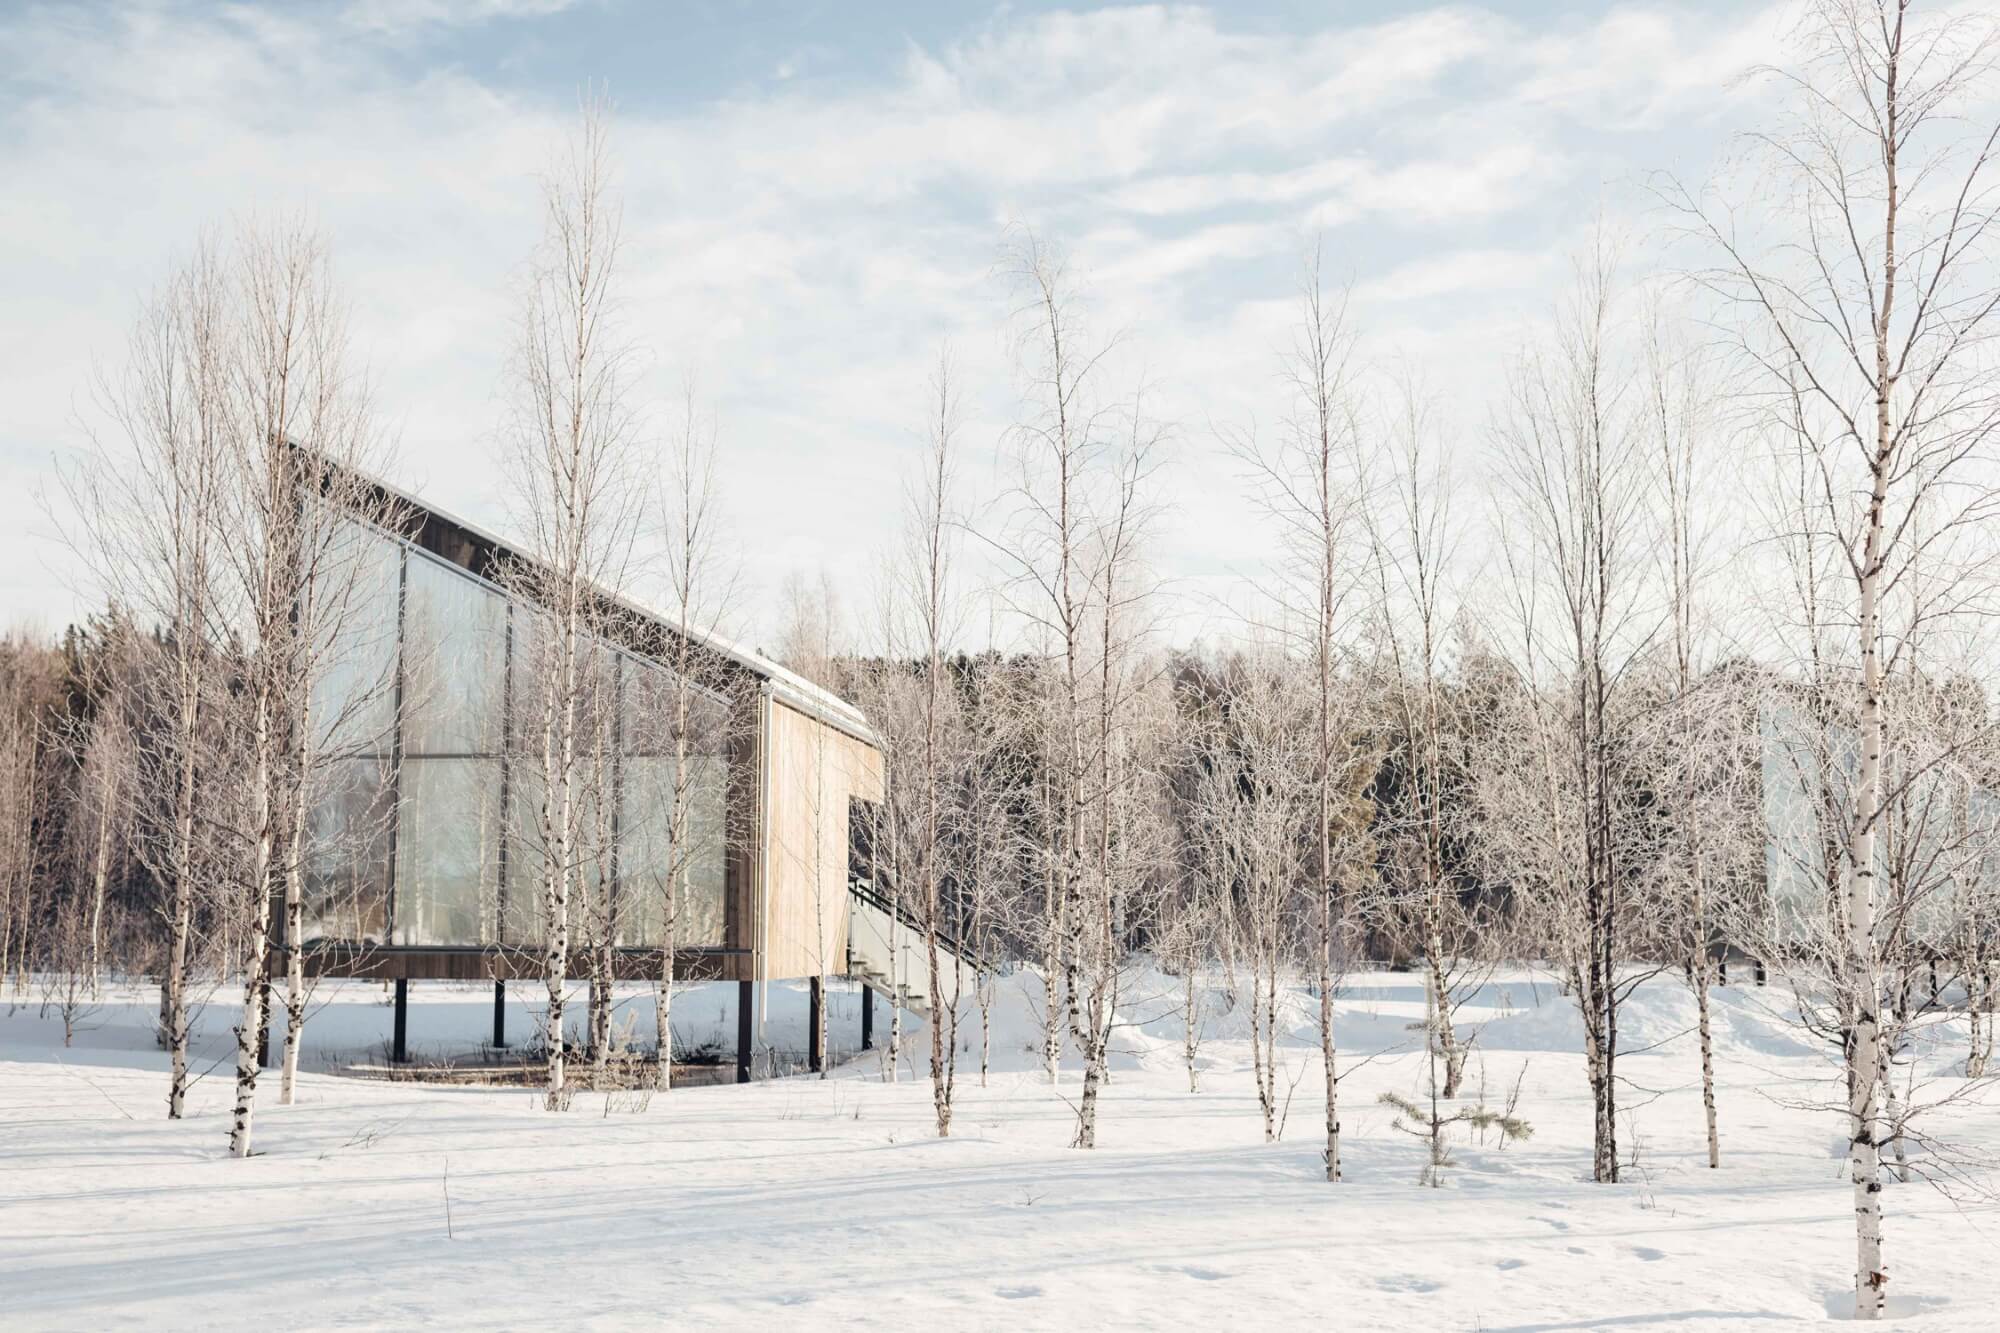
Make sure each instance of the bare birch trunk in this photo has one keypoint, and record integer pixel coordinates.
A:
(663, 1006)
(295, 955)
(895, 998)
(1865, 1056)
(250, 1031)
(1324, 959)
(1052, 953)
(1190, 1038)
(985, 1028)
(941, 1044)
(100, 874)
(558, 768)
(1864, 1053)
(1264, 1053)
(572, 436)
(1707, 1066)
(1979, 1001)
(181, 927)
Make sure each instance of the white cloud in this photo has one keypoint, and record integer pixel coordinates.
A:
(402, 16)
(1455, 273)
(1638, 65)
(1166, 195)
(805, 245)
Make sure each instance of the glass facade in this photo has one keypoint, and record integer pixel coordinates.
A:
(354, 699)
(346, 875)
(454, 661)
(1931, 840)
(1803, 777)
(429, 829)
(448, 832)
(650, 866)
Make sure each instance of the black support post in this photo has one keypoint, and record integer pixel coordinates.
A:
(867, 1017)
(400, 1052)
(499, 1015)
(746, 995)
(815, 1022)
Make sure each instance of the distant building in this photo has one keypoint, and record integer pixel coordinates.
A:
(1939, 833)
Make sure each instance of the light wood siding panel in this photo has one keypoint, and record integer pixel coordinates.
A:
(815, 771)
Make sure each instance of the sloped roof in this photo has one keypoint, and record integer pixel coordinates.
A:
(786, 685)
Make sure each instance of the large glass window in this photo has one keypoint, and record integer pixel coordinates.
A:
(663, 728)
(527, 858)
(533, 849)
(448, 852)
(346, 875)
(354, 693)
(649, 858)
(454, 661)
(462, 818)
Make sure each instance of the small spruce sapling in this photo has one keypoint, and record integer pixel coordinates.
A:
(1431, 1121)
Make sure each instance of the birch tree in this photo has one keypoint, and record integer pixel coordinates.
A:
(1309, 483)
(300, 444)
(1873, 298)
(699, 592)
(1054, 450)
(1411, 538)
(148, 502)
(1196, 911)
(933, 760)
(1571, 486)
(1704, 762)
(1122, 762)
(571, 437)
(1254, 794)
(599, 923)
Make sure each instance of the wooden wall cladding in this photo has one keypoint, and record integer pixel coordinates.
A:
(814, 772)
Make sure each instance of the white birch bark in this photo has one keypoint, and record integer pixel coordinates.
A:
(571, 436)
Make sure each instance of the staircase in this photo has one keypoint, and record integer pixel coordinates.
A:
(885, 948)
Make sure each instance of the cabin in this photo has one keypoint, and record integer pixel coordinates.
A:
(424, 857)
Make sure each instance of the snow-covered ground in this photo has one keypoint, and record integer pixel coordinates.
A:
(806, 1203)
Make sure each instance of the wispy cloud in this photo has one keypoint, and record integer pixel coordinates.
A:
(1456, 273)
(401, 16)
(806, 242)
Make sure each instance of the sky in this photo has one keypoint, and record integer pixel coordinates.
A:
(815, 197)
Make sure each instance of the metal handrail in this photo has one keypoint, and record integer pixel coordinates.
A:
(866, 891)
